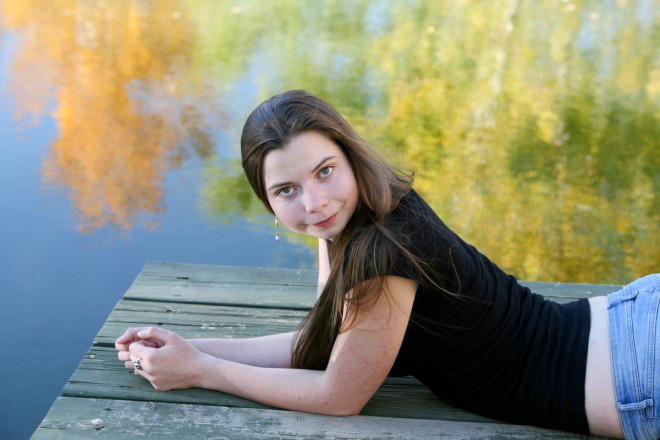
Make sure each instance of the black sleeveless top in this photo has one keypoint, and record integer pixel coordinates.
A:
(491, 347)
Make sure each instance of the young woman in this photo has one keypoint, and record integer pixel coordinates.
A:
(401, 294)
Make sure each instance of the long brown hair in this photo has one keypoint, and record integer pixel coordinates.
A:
(272, 125)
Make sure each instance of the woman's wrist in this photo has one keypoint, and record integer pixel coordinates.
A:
(206, 346)
(204, 371)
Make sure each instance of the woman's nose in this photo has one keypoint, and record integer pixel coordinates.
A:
(314, 200)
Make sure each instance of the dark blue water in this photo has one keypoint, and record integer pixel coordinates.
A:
(58, 285)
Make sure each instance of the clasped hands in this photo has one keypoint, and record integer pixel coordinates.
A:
(168, 361)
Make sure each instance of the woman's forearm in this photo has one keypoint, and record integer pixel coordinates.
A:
(288, 388)
(272, 351)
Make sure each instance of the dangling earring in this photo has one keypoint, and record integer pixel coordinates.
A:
(277, 232)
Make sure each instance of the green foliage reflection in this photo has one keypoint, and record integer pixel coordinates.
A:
(533, 126)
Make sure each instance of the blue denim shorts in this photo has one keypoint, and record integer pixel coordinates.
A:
(634, 314)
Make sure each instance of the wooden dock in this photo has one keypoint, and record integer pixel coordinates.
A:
(103, 400)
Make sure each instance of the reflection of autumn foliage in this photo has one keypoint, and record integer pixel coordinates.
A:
(125, 112)
(533, 127)
(541, 151)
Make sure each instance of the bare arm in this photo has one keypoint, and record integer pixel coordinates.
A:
(360, 361)
(272, 351)
(324, 266)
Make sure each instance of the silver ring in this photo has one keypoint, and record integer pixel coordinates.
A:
(136, 363)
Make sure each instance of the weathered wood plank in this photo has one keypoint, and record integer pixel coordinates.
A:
(564, 292)
(197, 320)
(102, 375)
(263, 296)
(250, 286)
(253, 276)
(72, 419)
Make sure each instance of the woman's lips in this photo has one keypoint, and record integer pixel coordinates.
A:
(327, 222)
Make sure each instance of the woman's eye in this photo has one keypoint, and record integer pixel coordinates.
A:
(325, 171)
(286, 191)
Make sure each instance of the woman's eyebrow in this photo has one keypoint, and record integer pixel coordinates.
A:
(279, 185)
(322, 162)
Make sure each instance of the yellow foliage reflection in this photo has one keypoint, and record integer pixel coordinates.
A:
(124, 105)
(533, 126)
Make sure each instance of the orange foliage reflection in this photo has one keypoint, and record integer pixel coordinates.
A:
(117, 73)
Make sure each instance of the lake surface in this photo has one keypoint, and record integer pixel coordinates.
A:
(533, 128)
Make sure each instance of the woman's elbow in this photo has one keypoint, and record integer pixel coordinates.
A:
(338, 399)
(349, 412)
(344, 409)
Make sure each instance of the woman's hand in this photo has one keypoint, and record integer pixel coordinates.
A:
(130, 335)
(168, 361)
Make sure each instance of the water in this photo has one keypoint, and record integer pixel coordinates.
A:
(533, 130)
(59, 285)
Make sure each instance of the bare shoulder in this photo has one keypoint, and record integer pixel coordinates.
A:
(393, 306)
(403, 288)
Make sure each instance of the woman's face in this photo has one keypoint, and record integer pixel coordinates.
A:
(311, 185)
